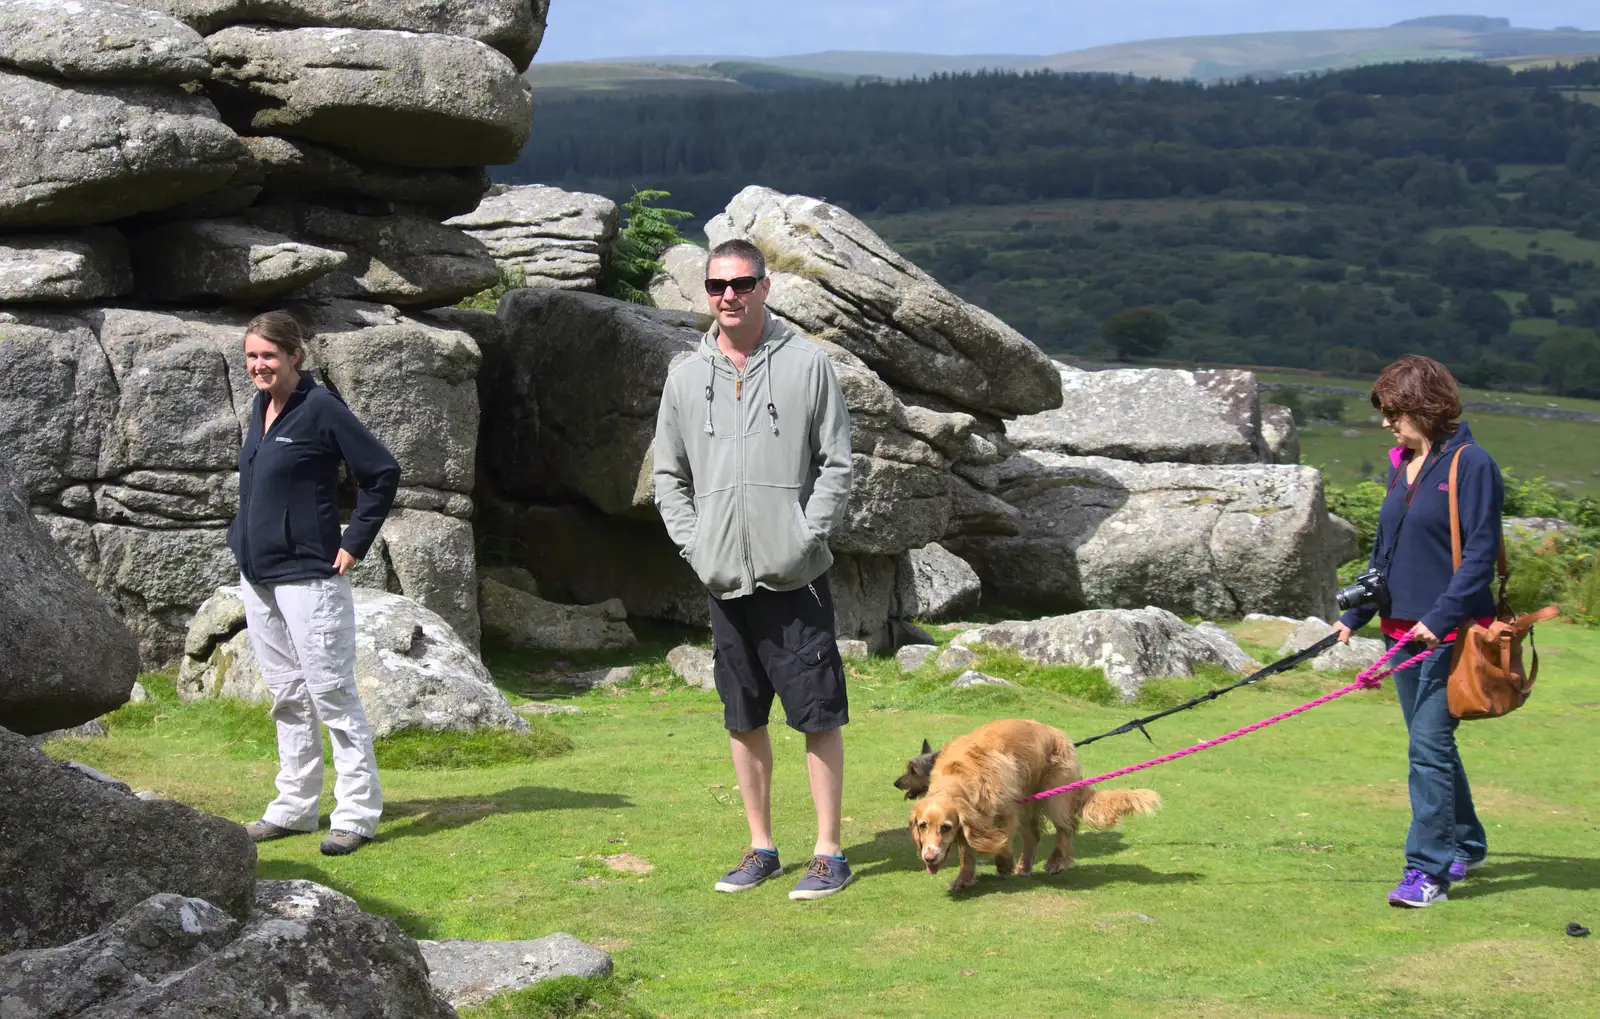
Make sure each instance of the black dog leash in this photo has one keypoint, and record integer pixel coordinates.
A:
(1282, 665)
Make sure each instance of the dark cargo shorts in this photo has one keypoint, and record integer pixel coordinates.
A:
(779, 643)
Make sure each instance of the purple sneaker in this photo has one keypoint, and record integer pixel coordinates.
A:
(1417, 891)
(1459, 869)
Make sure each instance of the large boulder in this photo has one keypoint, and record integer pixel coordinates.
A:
(394, 97)
(226, 260)
(525, 620)
(64, 658)
(111, 151)
(1149, 415)
(412, 670)
(514, 27)
(679, 286)
(92, 40)
(1216, 541)
(84, 265)
(1352, 656)
(554, 238)
(403, 259)
(837, 280)
(936, 584)
(864, 600)
(78, 852)
(298, 171)
(304, 950)
(428, 557)
(1279, 435)
(471, 972)
(1130, 645)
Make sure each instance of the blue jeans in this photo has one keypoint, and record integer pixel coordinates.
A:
(1444, 827)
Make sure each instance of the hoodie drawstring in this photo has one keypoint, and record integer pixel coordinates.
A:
(711, 376)
(766, 380)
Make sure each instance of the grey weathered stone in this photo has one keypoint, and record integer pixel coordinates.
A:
(971, 678)
(1343, 540)
(294, 170)
(596, 679)
(138, 695)
(546, 708)
(554, 238)
(78, 853)
(955, 657)
(936, 584)
(158, 936)
(429, 558)
(679, 286)
(854, 649)
(85, 265)
(228, 260)
(64, 658)
(304, 950)
(1233, 656)
(1217, 541)
(471, 972)
(393, 97)
(511, 576)
(75, 154)
(412, 670)
(403, 260)
(523, 620)
(914, 656)
(1151, 415)
(92, 729)
(91, 40)
(1279, 435)
(514, 27)
(694, 665)
(837, 280)
(1540, 527)
(863, 589)
(1360, 653)
(1130, 645)
(975, 513)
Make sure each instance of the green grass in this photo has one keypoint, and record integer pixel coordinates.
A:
(1515, 240)
(1256, 891)
(1270, 377)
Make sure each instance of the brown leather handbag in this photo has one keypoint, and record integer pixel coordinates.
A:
(1487, 678)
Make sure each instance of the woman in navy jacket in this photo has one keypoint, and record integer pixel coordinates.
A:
(1427, 601)
(299, 608)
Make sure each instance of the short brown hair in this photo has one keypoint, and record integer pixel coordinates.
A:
(739, 248)
(1421, 389)
(280, 329)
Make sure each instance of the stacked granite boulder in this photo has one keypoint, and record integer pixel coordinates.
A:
(168, 169)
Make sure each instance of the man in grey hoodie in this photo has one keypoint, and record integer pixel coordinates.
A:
(752, 473)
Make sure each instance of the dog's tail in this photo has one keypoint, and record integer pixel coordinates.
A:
(1104, 808)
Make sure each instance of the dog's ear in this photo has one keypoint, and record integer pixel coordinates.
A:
(925, 748)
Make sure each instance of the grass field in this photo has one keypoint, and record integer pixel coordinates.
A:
(1520, 241)
(1256, 891)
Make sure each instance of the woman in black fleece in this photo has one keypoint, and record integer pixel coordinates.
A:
(293, 562)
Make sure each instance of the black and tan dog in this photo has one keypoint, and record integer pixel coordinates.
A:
(971, 803)
(918, 771)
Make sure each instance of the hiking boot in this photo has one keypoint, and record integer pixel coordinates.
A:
(1459, 869)
(343, 842)
(756, 867)
(265, 831)
(826, 876)
(1418, 891)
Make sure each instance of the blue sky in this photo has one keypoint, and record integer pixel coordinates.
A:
(586, 29)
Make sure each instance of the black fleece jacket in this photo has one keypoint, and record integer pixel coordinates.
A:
(288, 522)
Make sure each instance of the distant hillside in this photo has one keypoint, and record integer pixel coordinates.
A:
(1205, 58)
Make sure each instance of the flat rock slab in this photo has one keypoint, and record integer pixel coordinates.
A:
(1151, 415)
(228, 260)
(914, 656)
(295, 170)
(693, 665)
(394, 97)
(971, 678)
(937, 584)
(514, 27)
(76, 154)
(524, 620)
(553, 237)
(85, 265)
(91, 40)
(469, 973)
(854, 649)
(1360, 653)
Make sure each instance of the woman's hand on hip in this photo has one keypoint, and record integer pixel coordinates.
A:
(344, 562)
(1343, 631)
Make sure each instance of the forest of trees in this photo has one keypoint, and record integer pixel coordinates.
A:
(1315, 222)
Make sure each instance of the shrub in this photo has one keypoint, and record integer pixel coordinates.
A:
(632, 260)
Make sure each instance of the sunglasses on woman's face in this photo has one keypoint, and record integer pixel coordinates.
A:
(740, 285)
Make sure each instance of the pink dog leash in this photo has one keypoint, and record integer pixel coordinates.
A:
(1369, 679)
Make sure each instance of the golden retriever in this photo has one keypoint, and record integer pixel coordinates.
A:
(971, 803)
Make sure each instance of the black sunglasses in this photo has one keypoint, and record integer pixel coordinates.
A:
(740, 285)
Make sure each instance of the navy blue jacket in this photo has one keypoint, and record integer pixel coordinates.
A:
(287, 527)
(1423, 583)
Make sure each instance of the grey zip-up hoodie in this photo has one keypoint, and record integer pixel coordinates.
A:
(752, 473)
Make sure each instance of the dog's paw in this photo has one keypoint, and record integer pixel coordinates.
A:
(1004, 868)
(1025, 871)
(961, 884)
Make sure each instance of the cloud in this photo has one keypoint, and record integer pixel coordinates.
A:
(587, 30)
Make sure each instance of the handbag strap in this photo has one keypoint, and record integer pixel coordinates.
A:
(1502, 607)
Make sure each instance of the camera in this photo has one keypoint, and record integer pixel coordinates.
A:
(1369, 589)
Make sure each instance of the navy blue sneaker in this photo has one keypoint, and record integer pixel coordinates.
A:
(826, 876)
(756, 867)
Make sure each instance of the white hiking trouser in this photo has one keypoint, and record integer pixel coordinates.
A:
(304, 635)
